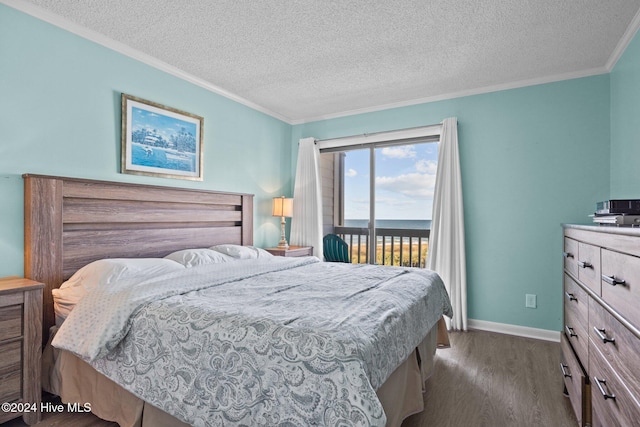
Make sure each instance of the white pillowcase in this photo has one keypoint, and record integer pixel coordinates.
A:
(102, 273)
(193, 257)
(241, 252)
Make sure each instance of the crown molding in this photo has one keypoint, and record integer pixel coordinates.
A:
(100, 39)
(65, 24)
(461, 94)
(628, 35)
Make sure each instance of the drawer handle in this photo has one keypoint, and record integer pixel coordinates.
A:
(601, 333)
(571, 296)
(584, 264)
(613, 281)
(567, 254)
(604, 393)
(563, 368)
(570, 331)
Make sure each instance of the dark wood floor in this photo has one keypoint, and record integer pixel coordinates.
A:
(489, 379)
(484, 379)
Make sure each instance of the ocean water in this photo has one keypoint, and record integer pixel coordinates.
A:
(163, 158)
(416, 224)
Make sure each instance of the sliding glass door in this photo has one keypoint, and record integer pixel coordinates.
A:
(388, 190)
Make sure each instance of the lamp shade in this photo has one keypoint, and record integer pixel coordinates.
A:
(282, 206)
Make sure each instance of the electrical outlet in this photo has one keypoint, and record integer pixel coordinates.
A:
(530, 301)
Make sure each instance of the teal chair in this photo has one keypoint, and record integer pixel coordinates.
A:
(335, 249)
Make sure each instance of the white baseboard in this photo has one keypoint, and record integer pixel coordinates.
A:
(521, 331)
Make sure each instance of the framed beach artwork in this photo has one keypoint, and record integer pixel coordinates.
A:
(160, 141)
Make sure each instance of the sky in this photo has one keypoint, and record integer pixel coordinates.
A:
(404, 181)
(163, 124)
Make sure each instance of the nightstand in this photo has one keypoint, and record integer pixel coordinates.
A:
(291, 251)
(20, 348)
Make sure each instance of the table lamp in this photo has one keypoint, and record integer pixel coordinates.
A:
(282, 207)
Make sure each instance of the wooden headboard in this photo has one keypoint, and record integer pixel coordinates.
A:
(70, 222)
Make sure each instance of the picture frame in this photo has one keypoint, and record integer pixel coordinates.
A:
(160, 141)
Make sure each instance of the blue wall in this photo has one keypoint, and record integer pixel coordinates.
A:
(60, 115)
(625, 124)
(531, 159)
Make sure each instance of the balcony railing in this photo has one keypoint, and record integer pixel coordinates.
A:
(394, 246)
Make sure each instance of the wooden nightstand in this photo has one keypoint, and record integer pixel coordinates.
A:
(20, 348)
(291, 251)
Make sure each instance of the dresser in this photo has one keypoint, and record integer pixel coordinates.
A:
(20, 348)
(600, 343)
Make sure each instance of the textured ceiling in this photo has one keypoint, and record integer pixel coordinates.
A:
(301, 60)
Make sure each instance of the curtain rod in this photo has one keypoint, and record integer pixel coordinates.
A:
(366, 135)
(392, 137)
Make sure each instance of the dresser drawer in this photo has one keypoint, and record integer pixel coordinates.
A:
(20, 346)
(612, 403)
(10, 356)
(625, 297)
(575, 382)
(595, 419)
(576, 300)
(577, 334)
(11, 299)
(570, 255)
(10, 371)
(10, 386)
(589, 266)
(617, 344)
(10, 322)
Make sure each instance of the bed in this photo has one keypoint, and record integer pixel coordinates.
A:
(70, 223)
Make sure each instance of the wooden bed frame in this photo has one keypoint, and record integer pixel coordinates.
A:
(71, 222)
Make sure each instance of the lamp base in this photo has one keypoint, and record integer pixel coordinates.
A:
(283, 240)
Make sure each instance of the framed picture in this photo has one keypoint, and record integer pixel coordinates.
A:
(160, 141)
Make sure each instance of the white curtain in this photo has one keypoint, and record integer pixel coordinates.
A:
(446, 254)
(306, 223)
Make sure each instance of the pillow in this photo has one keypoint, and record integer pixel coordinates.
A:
(193, 257)
(64, 300)
(102, 273)
(241, 252)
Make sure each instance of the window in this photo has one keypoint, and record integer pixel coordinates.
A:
(379, 198)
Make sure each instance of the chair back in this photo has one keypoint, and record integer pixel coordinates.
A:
(335, 249)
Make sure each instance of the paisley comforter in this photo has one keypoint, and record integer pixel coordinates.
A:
(282, 341)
